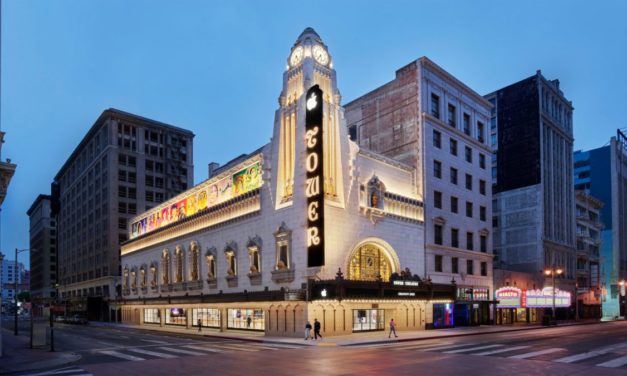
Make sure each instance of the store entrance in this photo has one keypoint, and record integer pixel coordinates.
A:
(368, 320)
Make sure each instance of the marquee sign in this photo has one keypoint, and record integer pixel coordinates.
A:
(544, 298)
(508, 297)
(314, 187)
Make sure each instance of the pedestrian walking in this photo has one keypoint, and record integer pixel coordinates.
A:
(317, 329)
(307, 330)
(199, 325)
(392, 328)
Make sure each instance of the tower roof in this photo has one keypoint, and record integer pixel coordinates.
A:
(309, 32)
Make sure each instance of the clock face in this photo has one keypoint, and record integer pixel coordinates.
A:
(320, 55)
(297, 55)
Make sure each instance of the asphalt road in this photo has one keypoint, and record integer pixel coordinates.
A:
(599, 349)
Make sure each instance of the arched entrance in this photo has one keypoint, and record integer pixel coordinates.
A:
(371, 259)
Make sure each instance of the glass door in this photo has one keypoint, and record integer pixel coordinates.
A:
(368, 320)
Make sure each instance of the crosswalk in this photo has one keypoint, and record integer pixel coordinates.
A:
(157, 351)
(611, 356)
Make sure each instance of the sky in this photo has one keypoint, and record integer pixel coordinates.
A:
(215, 68)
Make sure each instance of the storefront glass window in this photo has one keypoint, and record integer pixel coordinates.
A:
(175, 316)
(368, 319)
(209, 317)
(152, 316)
(248, 319)
(443, 315)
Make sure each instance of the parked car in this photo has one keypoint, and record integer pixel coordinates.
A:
(78, 319)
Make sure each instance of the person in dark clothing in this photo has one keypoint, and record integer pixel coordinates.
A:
(317, 329)
(199, 325)
(307, 331)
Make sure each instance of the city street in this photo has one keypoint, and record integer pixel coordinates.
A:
(599, 349)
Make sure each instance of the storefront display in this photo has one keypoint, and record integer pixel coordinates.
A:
(175, 316)
(248, 319)
(209, 317)
(152, 316)
(368, 320)
(443, 316)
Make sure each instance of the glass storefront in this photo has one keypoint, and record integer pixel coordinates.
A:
(209, 317)
(175, 316)
(443, 315)
(245, 318)
(152, 316)
(368, 320)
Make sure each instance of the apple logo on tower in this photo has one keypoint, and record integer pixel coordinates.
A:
(312, 102)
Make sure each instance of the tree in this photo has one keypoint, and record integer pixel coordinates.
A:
(23, 296)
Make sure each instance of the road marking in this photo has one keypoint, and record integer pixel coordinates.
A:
(153, 353)
(236, 347)
(614, 363)
(415, 347)
(472, 349)
(501, 350)
(181, 351)
(61, 371)
(591, 354)
(121, 355)
(155, 341)
(535, 353)
(203, 348)
(445, 347)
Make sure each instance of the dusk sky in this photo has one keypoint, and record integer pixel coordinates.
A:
(215, 68)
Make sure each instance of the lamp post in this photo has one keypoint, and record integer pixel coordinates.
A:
(621, 293)
(552, 272)
(15, 275)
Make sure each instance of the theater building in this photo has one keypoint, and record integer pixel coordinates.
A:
(309, 226)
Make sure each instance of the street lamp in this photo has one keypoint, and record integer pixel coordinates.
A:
(15, 275)
(552, 272)
(621, 293)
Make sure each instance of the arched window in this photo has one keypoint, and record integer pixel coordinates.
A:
(153, 274)
(210, 257)
(283, 238)
(254, 256)
(125, 278)
(194, 254)
(231, 259)
(376, 190)
(368, 263)
(165, 262)
(142, 277)
(134, 278)
(178, 254)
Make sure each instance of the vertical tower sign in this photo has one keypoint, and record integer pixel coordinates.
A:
(314, 187)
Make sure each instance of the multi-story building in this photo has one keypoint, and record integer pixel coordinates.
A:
(602, 173)
(533, 202)
(124, 165)
(43, 250)
(427, 118)
(10, 274)
(589, 228)
(309, 226)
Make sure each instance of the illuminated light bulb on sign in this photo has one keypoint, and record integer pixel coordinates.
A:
(312, 102)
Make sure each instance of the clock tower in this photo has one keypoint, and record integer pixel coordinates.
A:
(309, 64)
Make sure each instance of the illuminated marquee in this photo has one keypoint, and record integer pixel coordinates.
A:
(212, 192)
(508, 297)
(314, 188)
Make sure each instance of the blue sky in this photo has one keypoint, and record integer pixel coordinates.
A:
(215, 67)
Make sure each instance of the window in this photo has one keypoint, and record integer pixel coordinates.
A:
(437, 139)
(454, 265)
(467, 124)
(495, 221)
(469, 267)
(435, 106)
(484, 269)
(469, 182)
(453, 146)
(454, 202)
(482, 213)
(207, 317)
(231, 261)
(352, 132)
(178, 257)
(194, 255)
(453, 175)
(483, 243)
(437, 169)
(468, 151)
(437, 199)
(482, 187)
(152, 316)
(248, 319)
(482, 160)
(469, 241)
(438, 234)
(254, 257)
(438, 263)
(451, 115)
(283, 239)
(455, 238)
(480, 128)
(468, 209)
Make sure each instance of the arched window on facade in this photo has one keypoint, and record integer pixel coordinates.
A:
(210, 258)
(134, 278)
(142, 277)
(194, 254)
(178, 254)
(231, 259)
(368, 263)
(254, 255)
(125, 278)
(165, 262)
(283, 239)
(153, 274)
(376, 191)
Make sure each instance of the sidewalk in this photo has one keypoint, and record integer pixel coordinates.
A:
(18, 357)
(355, 339)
